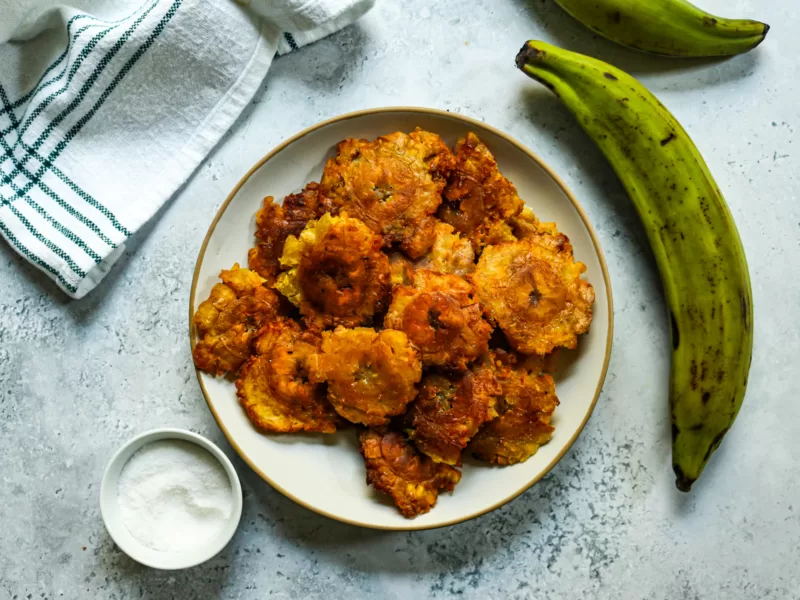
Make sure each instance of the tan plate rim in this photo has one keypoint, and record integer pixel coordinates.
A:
(469, 122)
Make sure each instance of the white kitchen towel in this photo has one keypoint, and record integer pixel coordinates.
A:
(107, 107)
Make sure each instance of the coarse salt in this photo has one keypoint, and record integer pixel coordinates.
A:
(174, 495)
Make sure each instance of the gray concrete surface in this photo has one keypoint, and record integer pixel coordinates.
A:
(77, 378)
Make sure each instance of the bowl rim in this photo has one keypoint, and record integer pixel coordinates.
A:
(123, 455)
(470, 122)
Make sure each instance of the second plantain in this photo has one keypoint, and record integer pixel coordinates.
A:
(667, 27)
(692, 234)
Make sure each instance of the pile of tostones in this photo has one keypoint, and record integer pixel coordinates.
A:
(409, 292)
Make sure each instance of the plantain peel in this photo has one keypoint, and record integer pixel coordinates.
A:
(692, 234)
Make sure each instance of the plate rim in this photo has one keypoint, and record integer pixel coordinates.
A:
(469, 121)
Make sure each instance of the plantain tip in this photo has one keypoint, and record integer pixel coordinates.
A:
(764, 31)
(682, 482)
(528, 54)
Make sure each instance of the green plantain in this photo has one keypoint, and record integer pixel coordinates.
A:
(693, 236)
(668, 27)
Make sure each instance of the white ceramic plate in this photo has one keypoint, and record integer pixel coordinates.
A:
(325, 473)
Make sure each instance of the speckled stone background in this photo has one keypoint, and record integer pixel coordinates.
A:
(78, 378)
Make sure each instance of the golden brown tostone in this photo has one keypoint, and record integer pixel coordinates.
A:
(525, 407)
(371, 375)
(478, 200)
(442, 316)
(337, 273)
(273, 385)
(393, 184)
(229, 318)
(449, 410)
(276, 222)
(533, 290)
(394, 467)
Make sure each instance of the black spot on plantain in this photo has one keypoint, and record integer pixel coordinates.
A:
(715, 443)
(745, 311)
(610, 76)
(706, 397)
(693, 371)
(709, 21)
(676, 336)
(675, 432)
(615, 17)
(698, 427)
(668, 139)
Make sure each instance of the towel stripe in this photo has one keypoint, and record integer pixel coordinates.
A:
(59, 148)
(55, 224)
(290, 40)
(120, 76)
(46, 189)
(83, 195)
(8, 180)
(16, 104)
(20, 164)
(20, 193)
(31, 151)
(49, 100)
(49, 243)
(67, 207)
(62, 230)
(86, 86)
(36, 179)
(39, 86)
(113, 51)
(98, 22)
(22, 249)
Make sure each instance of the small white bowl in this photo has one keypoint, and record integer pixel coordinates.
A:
(109, 504)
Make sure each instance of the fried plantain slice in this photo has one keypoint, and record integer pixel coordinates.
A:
(371, 375)
(273, 385)
(442, 316)
(533, 290)
(337, 273)
(397, 469)
(276, 222)
(450, 253)
(229, 318)
(393, 184)
(478, 200)
(449, 410)
(525, 226)
(525, 408)
(401, 269)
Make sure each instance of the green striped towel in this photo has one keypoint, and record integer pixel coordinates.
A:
(92, 138)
